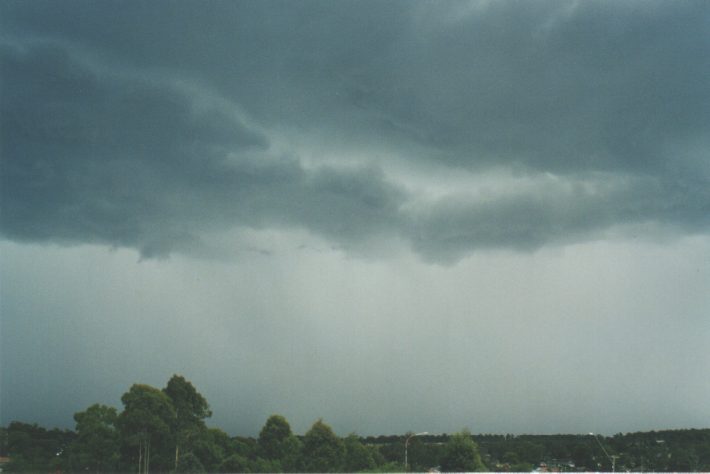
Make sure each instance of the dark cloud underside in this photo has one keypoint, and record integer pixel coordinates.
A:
(147, 124)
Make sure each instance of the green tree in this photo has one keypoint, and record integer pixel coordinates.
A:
(521, 467)
(189, 463)
(461, 454)
(272, 436)
(530, 452)
(245, 447)
(582, 456)
(392, 466)
(357, 456)
(212, 446)
(97, 444)
(191, 408)
(277, 443)
(322, 451)
(235, 463)
(145, 424)
(3, 441)
(683, 459)
(34, 448)
(265, 465)
(511, 458)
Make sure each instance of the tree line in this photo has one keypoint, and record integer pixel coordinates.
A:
(164, 430)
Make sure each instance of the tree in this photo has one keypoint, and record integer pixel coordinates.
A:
(33, 448)
(582, 456)
(290, 459)
(97, 444)
(322, 451)
(235, 463)
(530, 452)
(211, 446)
(683, 459)
(277, 443)
(189, 463)
(357, 456)
(272, 436)
(461, 454)
(265, 465)
(191, 409)
(511, 457)
(145, 423)
(245, 447)
(3, 441)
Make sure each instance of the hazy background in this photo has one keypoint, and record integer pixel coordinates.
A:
(392, 215)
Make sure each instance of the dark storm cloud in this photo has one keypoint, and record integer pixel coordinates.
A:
(550, 86)
(119, 151)
(451, 227)
(129, 162)
(91, 158)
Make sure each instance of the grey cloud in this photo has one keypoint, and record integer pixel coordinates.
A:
(547, 85)
(599, 88)
(133, 163)
(92, 158)
(120, 155)
(453, 226)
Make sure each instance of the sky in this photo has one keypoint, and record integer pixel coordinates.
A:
(395, 216)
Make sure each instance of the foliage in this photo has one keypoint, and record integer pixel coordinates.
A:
(3, 442)
(165, 430)
(97, 445)
(277, 443)
(322, 451)
(190, 463)
(388, 467)
(210, 446)
(582, 455)
(521, 467)
(265, 465)
(145, 424)
(245, 446)
(235, 463)
(357, 456)
(461, 454)
(33, 448)
(191, 408)
(272, 435)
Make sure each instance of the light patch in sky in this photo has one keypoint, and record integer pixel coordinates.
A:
(596, 337)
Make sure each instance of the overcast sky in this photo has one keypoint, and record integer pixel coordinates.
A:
(400, 215)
